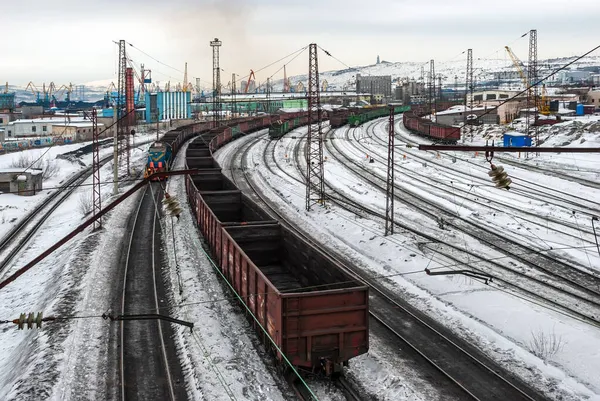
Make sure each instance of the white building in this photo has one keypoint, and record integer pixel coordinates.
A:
(40, 126)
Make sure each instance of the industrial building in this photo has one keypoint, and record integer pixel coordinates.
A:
(375, 85)
(410, 92)
(455, 115)
(168, 106)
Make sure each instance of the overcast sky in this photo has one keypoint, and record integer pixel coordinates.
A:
(73, 41)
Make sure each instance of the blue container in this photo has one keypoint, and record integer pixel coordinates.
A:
(579, 110)
(107, 113)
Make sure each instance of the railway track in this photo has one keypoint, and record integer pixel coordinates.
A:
(474, 377)
(526, 187)
(454, 190)
(20, 235)
(543, 289)
(577, 283)
(148, 365)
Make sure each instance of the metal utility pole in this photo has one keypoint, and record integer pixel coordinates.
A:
(468, 94)
(532, 78)
(440, 87)
(389, 191)
(268, 95)
(122, 93)
(315, 183)
(432, 91)
(215, 44)
(116, 154)
(233, 90)
(96, 199)
(130, 111)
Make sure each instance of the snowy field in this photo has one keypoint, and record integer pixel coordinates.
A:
(502, 324)
(14, 207)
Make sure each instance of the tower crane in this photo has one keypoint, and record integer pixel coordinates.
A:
(541, 104)
(518, 65)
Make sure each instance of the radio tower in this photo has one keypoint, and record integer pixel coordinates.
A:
(315, 184)
(389, 198)
(121, 96)
(96, 170)
(215, 44)
(532, 78)
(468, 93)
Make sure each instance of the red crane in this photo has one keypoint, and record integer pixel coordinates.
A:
(249, 79)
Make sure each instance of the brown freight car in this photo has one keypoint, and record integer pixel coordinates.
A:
(314, 311)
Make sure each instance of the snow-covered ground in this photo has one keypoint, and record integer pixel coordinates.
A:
(503, 325)
(66, 359)
(14, 207)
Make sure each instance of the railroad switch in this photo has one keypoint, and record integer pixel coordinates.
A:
(147, 316)
(468, 273)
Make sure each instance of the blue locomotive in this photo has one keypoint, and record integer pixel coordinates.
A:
(159, 158)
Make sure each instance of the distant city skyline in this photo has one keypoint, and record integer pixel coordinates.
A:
(72, 41)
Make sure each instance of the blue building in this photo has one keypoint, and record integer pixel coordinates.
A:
(516, 139)
(168, 106)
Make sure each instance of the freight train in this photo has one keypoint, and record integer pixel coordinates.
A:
(161, 152)
(305, 307)
(429, 129)
(357, 116)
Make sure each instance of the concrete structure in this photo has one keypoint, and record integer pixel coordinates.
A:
(20, 182)
(28, 112)
(5, 118)
(482, 96)
(79, 131)
(507, 75)
(376, 85)
(573, 76)
(408, 90)
(168, 106)
(455, 115)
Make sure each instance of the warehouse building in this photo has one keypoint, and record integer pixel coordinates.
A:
(375, 85)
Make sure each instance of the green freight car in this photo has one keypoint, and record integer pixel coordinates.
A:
(357, 118)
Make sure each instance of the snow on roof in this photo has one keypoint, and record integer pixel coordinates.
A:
(21, 170)
(460, 109)
(79, 124)
(514, 133)
(49, 120)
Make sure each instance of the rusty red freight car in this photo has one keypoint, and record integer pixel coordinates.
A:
(313, 310)
(429, 129)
